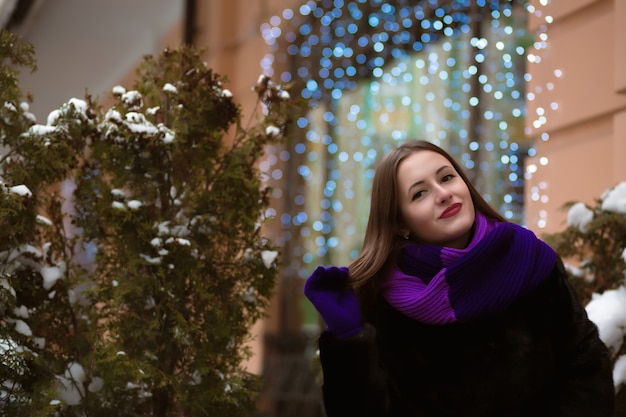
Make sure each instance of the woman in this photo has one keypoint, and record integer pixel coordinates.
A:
(450, 311)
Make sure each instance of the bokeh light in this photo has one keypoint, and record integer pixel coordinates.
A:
(379, 72)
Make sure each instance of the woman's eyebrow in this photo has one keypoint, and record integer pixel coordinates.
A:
(417, 183)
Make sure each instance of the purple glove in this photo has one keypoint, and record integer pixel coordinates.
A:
(337, 304)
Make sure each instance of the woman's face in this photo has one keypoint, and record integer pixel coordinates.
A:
(435, 204)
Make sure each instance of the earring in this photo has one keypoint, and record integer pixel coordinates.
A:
(404, 234)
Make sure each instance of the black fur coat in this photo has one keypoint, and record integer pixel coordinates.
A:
(541, 358)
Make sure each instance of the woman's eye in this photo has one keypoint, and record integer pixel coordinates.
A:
(447, 177)
(417, 195)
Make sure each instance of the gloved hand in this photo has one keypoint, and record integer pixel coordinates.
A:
(336, 303)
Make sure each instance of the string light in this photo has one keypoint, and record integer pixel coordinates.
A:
(355, 59)
(539, 195)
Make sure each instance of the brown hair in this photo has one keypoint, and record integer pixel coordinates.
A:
(381, 235)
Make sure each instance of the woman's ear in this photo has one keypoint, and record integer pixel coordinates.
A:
(403, 232)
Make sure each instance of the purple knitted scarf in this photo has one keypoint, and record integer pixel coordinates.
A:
(439, 285)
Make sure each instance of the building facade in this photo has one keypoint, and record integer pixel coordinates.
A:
(576, 113)
(563, 138)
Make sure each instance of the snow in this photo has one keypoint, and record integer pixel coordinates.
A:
(53, 117)
(22, 328)
(164, 229)
(44, 220)
(132, 99)
(7, 345)
(118, 90)
(619, 371)
(269, 256)
(196, 378)
(248, 295)
(137, 123)
(39, 342)
(608, 312)
(22, 190)
(579, 216)
(575, 271)
(76, 372)
(41, 130)
(170, 88)
(96, 384)
(4, 283)
(614, 199)
(168, 138)
(168, 134)
(149, 259)
(134, 204)
(150, 303)
(21, 311)
(272, 130)
(46, 248)
(113, 116)
(79, 105)
(72, 390)
(116, 192)
(13, 259)
(180, 241)
(50, 274)
(69, 392)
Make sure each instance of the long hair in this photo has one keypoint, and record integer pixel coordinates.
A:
(382, 239)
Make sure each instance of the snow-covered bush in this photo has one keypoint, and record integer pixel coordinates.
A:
(594, 248)
(132, 257)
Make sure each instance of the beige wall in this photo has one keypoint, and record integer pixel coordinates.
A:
(229, 32)
(582, 72)
(172, 39)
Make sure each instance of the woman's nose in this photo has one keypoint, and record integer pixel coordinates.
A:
(443, 194)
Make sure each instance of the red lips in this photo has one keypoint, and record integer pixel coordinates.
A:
(451, 211)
